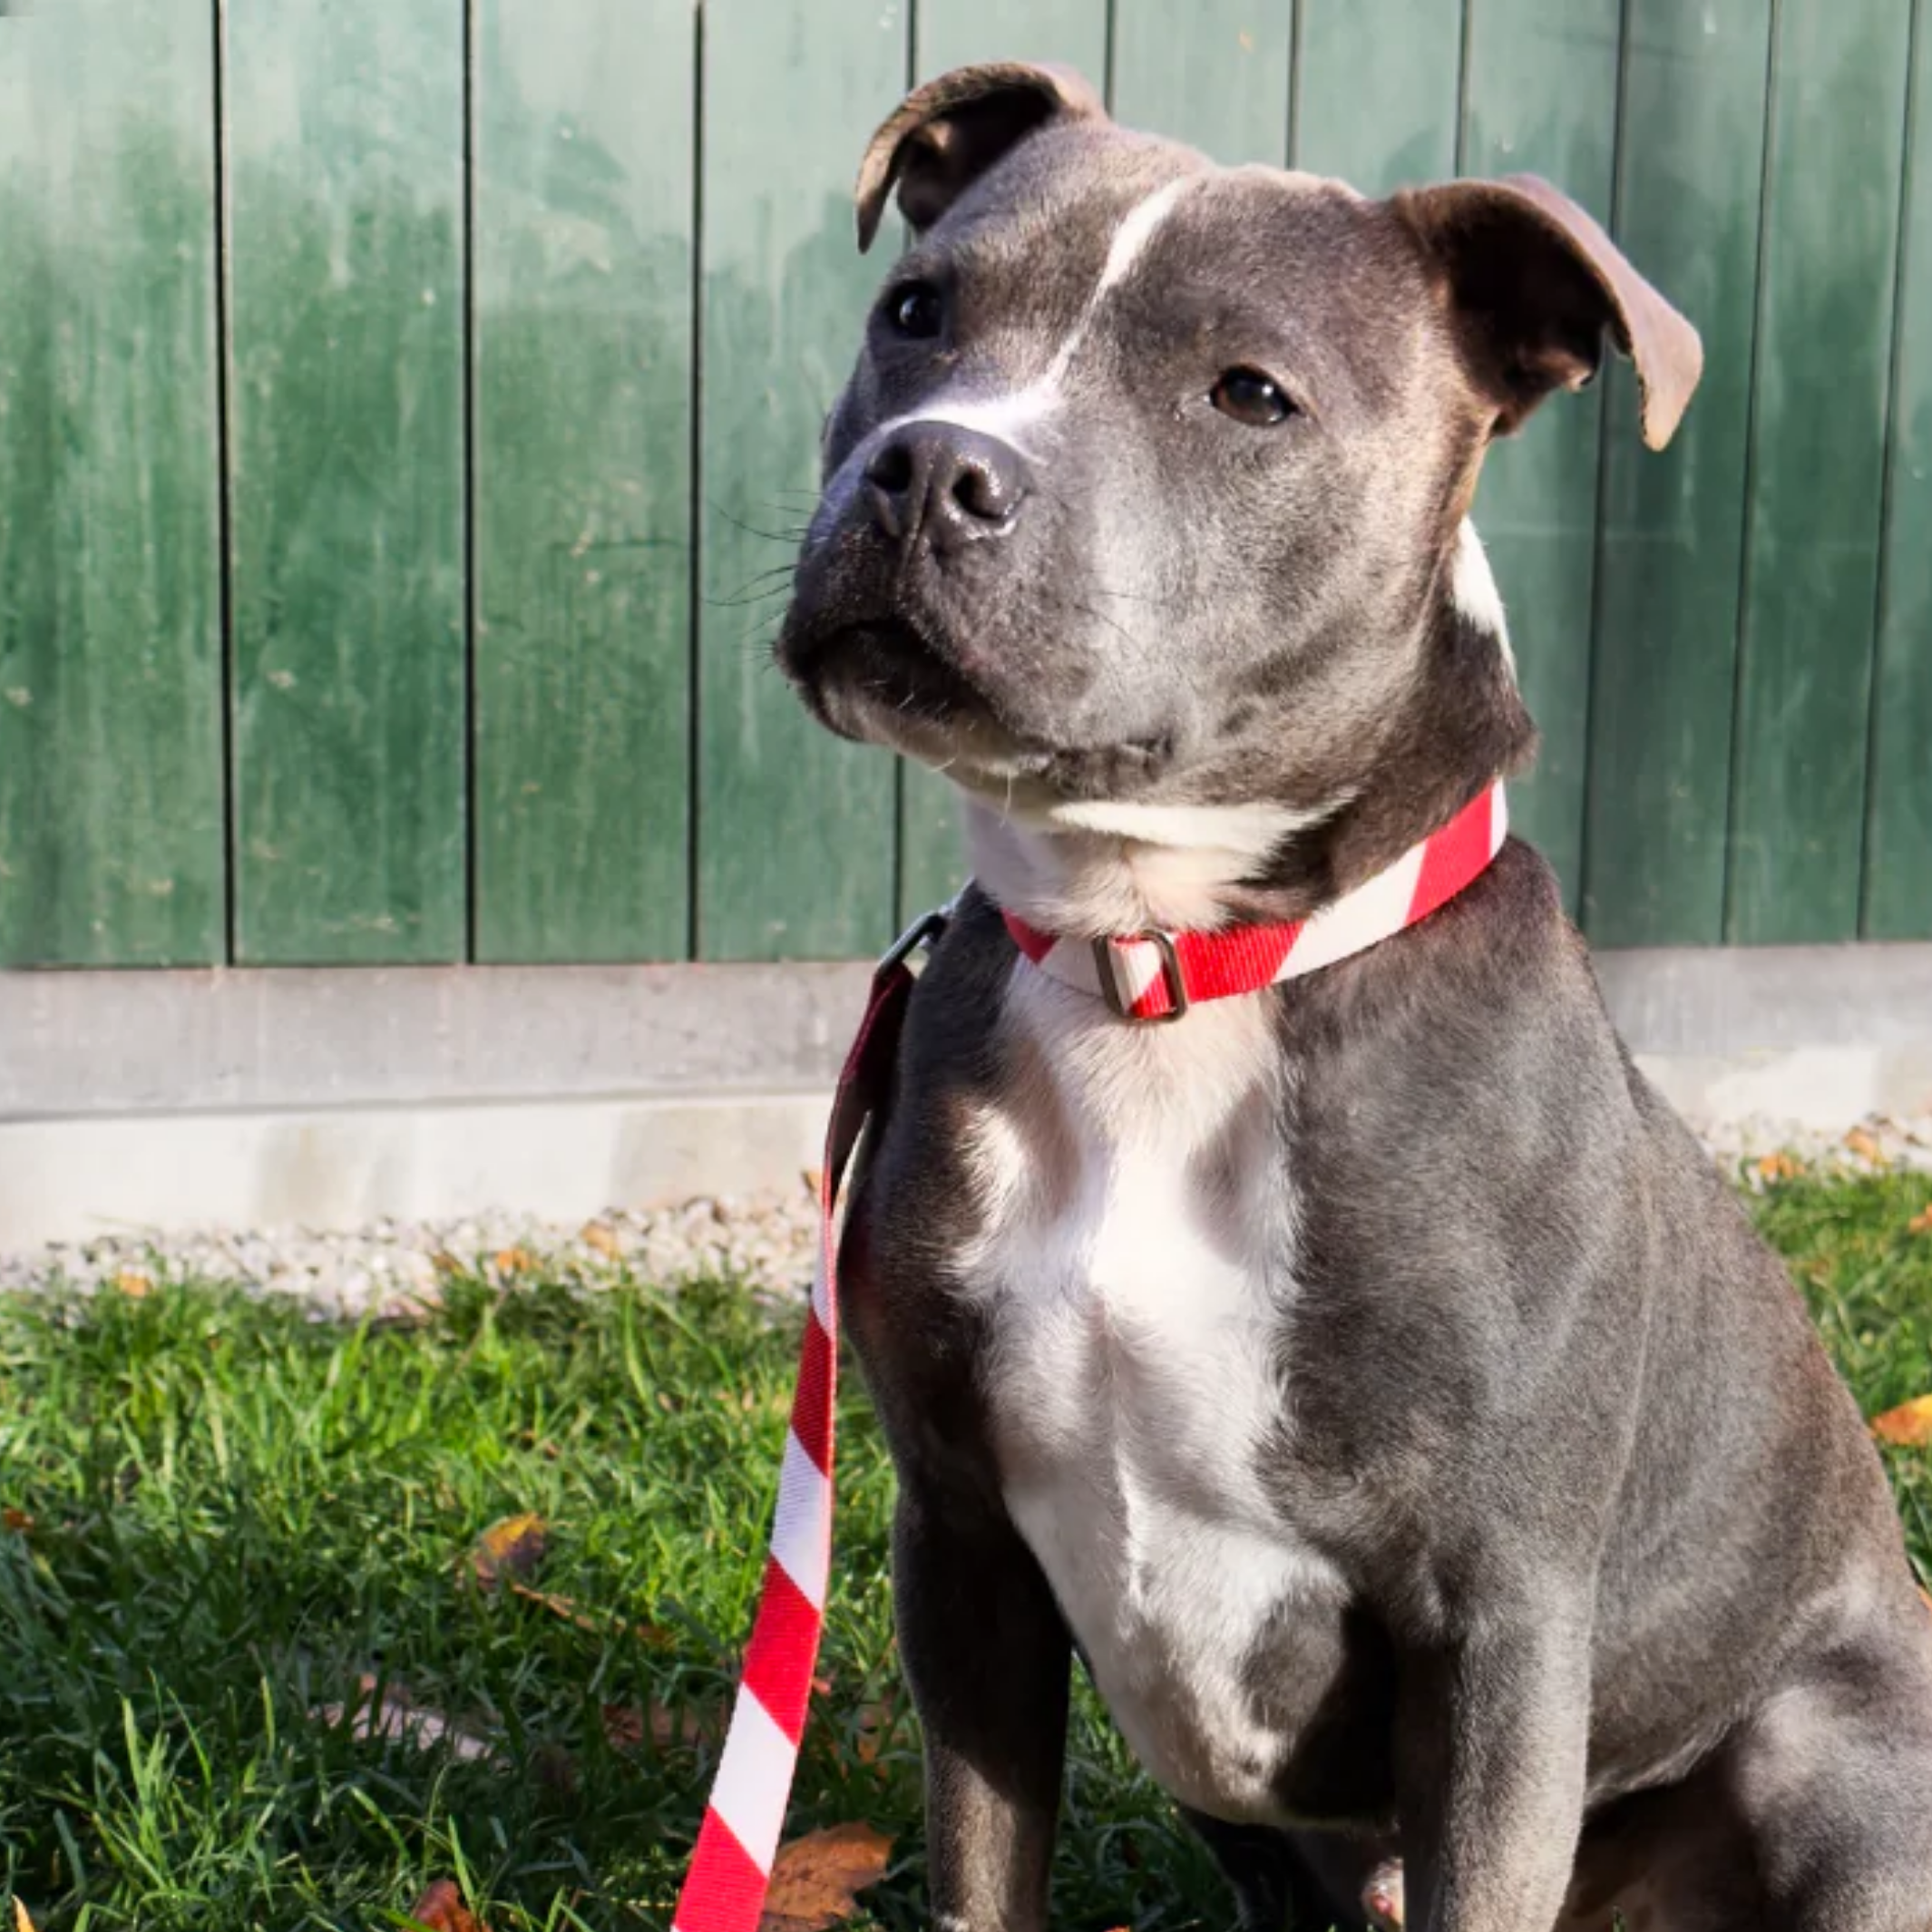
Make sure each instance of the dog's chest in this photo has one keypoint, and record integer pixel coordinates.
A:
(1136, 1261)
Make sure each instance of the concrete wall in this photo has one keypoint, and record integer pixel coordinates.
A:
(330, 1098)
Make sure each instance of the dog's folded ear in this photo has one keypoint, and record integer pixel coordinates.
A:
(1535, 283)
(945, 135)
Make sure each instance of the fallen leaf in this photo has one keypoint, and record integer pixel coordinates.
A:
(133, 1283)
(441, 1909)
(509, 1548)
(626, 1726)
(1778, 1167)
(1865, 1147)
(1920, 1223)
(566, 1607)
(17, 1520)
(1908, 1426)
(816, 1880)
(601, 1237)
(1928, 1595)
(395, 1714)
(877, 1724)
(22, 1923)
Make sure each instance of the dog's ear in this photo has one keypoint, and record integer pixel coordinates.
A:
(945, 135)
(1535, 283)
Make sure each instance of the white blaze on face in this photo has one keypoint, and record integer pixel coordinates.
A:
(1009, 416)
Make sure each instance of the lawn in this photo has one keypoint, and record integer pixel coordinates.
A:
(240, 1547)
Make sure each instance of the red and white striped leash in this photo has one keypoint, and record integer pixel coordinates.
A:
(1152, 976)
(730, 1869)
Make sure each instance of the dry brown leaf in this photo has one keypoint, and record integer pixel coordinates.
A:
(17, 1520)
(626, 1726)
(441, 1909)
(601, 1237)
(510, 1548)
(133, 1283)
(1865, 1147)
(395, 1714)
(816, 1880)
(558, 1605)
(1920, 1223)
(22, 1922)
(877, 1724)
(1908, 1426)
(515, 1261)
(1778, 1167)
(1928, 1595)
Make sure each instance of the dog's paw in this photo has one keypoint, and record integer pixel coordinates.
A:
(1381, 1897)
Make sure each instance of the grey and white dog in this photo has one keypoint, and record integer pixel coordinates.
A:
(1369, 1377)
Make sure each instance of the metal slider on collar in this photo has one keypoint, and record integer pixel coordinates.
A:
(1106, 967)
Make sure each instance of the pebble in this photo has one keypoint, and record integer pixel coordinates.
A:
(394, 1269)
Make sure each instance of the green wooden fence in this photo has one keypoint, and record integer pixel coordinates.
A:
(402, 404)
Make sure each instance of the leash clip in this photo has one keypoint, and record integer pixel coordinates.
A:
(1106, 964)
(921, 935)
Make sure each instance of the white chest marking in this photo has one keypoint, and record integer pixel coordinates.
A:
(1472, 585)
(1136, 1262)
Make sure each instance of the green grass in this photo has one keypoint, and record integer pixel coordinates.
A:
(237, 1512)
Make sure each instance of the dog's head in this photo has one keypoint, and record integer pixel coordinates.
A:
(1149, 488)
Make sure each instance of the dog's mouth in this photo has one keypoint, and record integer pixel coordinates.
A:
(883, 681)
(878, 679)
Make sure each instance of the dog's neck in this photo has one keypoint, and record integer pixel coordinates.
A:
(1095, 869)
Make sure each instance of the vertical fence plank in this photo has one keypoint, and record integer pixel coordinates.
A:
(1824, 368)
(1214, 75)
(1376, 88)
(796, 832)
(346, 306)
(581, 459)
(954, 33)
(1541, 97)
(111, 831)
(950, 33)
(1663, 659)
(1898, 839)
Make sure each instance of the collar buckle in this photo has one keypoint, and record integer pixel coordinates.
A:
(1106, 961)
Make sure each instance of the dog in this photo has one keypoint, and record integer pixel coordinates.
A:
(1367, 1375)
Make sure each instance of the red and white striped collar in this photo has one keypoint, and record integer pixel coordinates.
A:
(1158, 975)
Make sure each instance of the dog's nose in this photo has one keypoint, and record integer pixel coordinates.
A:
(950, 485)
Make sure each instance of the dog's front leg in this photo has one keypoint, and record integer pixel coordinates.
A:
(987, 1655)
(1492, 1739)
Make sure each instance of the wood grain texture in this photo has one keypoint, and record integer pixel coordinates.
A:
(1819, 413)
(1663, 658)
(955, 32)
(1899, 837)
(795, 833)
(110, 787)
(1377, 84)
(1541, 98)
(346, 308)
(1214, 75)
(584, 158)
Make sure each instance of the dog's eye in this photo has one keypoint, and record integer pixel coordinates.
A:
(1251, 398)
(916, 310)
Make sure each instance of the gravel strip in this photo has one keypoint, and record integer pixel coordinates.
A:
(395, 1267)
